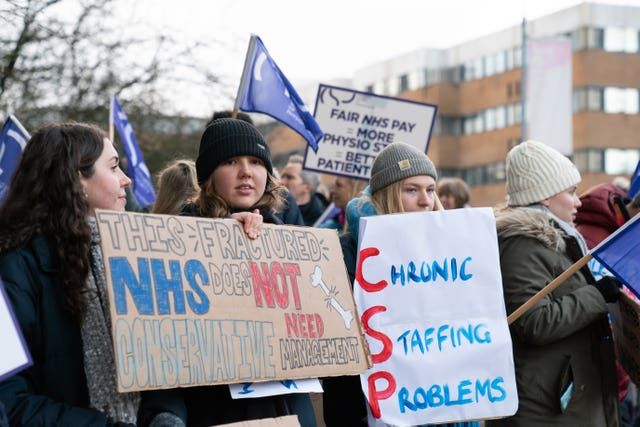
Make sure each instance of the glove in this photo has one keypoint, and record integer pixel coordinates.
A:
(609, 287)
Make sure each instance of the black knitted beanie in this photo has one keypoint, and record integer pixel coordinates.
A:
(226, 138)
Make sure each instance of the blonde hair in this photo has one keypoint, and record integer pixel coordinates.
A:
(177, 186)
(388, 200)
(212, 205)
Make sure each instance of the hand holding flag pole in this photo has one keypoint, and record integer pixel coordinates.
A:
(619, 253)
(265, 89)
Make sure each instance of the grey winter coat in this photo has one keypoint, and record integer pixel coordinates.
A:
(565, 338)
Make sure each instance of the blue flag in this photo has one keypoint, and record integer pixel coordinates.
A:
(635, 182)
(620, 254)
(264, 89)
(138, 171)
(13, 139)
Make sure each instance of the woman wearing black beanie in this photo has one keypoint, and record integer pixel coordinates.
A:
(236, 180)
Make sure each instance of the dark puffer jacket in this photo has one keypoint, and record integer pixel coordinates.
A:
(54, 390)
(565, 338)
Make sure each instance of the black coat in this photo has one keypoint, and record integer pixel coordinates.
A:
(54, 390)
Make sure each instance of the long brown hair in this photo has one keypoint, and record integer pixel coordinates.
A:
(46, 196)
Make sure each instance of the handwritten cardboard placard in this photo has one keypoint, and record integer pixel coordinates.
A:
(429, 290)
(625, 320)
(194, 301)
(358, 125)
(14, 356)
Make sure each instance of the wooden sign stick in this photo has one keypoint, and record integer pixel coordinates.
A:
(550, 287)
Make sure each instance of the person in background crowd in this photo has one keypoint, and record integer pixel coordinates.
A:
(403, 179)
(303, 185)
(605, 208)
(342, 191)
(236, 180)
(622, 182)
(177, 187)
(453, 193)
(563, 348)
(51, 265)
(289, 213)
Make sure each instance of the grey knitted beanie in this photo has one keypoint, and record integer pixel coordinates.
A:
(536, 172)
(398, 161)
(226, 138)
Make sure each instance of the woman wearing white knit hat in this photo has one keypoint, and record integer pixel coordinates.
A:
(563, 349)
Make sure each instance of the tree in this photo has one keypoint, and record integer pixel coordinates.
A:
(63, 59)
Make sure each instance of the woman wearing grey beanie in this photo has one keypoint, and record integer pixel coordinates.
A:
(403, 179)
(563, 348)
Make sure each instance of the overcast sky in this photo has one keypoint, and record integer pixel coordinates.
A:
(324, 39)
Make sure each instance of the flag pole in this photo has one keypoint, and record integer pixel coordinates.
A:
(111, 118)
(523, 84)
(15, 120)
(244, 78)
(550, 287)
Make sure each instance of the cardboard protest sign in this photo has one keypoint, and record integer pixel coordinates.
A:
(358, 125)
(14, 356)
(429, 290)
(193, 301)
(287, 421)
(625, 319)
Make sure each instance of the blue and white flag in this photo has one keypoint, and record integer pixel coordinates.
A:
(635, 182)
(13, 139)
(264, 89)
(620, 254)
(138, 171)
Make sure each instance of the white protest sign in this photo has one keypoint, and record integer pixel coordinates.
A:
(14, 355)
(270, 388)
(358, 125)
(429, 292)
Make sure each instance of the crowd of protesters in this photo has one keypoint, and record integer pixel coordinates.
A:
(53, 273)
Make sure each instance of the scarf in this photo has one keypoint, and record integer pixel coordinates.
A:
(97, 344)
(564, 226)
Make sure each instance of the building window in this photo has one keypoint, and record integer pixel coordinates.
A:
(490, 119)
(620, 161)
(490, 65)
(403, 83)
(500, 62)
(501, 117)
(621, 100)
(620, 40)
(595, 38)
(517, 57)
(479, 68)
(594, 99)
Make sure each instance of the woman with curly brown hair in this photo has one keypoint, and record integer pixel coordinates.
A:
(51, 264)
